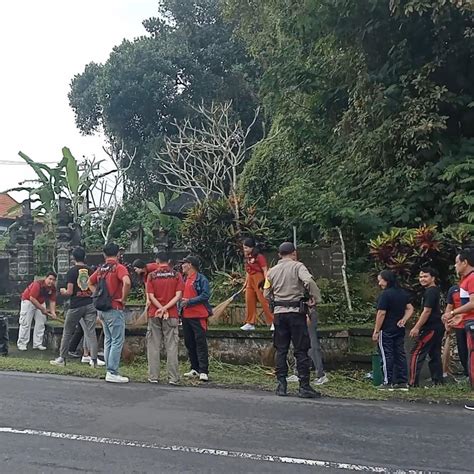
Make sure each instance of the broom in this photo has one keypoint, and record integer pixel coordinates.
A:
(220, 309)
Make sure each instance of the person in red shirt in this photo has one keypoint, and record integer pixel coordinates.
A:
(33, 306)
(453, 302)
(256, 268)
(164, 288)
(464, 264)
(118, 285)
(195, 311)
(143, 269)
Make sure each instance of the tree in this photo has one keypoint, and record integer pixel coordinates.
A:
(188, 56)
(204, 160)
(376, 99)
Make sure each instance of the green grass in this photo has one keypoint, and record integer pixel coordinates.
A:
(343, 384)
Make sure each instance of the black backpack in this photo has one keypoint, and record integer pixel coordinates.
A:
(101, 298)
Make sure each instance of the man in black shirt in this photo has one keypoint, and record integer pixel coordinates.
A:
(81, 310)
(428, 331)
(394, 309)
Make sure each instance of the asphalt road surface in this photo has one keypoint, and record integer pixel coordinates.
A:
(70, 425)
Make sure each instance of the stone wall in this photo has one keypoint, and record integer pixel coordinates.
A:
(233, 347)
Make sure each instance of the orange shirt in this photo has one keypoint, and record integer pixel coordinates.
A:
(40, 292)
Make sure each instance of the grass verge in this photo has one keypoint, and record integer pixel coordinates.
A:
(342, 384)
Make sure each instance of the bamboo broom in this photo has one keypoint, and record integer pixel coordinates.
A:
(221, 308)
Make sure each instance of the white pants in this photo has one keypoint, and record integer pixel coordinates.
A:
(28, 311)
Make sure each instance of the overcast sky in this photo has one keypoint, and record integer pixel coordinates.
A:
(44, 44)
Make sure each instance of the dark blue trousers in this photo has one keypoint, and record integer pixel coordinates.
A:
(393, 358)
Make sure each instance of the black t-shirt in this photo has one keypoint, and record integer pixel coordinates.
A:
(431, 299)
(81, 295)
(394, 302)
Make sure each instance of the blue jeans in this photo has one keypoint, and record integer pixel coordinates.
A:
(114, 336)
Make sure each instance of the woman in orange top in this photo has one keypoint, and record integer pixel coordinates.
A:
(256, 268)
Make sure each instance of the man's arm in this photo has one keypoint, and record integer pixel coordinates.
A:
(127, 284)
(68, 291)
(409, 310)
(379, 319)
(152, 298)
(52, 309)
(309, 283)
(465, 308)
(203, 296)
(421, 321)
(38, 305)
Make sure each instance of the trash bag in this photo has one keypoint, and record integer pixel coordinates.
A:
(3, 335)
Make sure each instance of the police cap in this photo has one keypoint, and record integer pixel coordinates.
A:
(286, 248)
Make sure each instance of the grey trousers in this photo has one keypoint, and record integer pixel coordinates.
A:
(165, 330)
(315, 349)
(86, 316)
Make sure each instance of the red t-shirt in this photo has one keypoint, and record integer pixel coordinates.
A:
(163, 283)
(114, 274)
(196, 310)
(466, 290)
(149, 267)
(255, 264)
(40, 292)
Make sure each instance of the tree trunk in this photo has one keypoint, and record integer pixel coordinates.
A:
(344, 268)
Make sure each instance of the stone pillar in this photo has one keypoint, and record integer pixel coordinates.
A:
(161, 240)
(25, 236)
(136, 240)
(63, 239)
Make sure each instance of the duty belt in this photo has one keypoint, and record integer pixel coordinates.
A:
(287, 304)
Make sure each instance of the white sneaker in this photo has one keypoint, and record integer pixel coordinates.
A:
(22, 348)
(248, 327)
(293, 378)
(100, 363)
(40, 348)
(115, 378)
(152, 380)
(58, 361)
(469, 407)
(173, 382)
(191, 373)
(203, 377)
(272, 327)
(86, 360)
(322, 380)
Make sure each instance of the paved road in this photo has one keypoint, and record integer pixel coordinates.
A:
(65, 424)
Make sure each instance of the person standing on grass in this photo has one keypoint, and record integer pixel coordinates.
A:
(33, 306)
(81, 310)
(117, 283)
(465, 313)
(286, 286)
(315, 350)
(453, 302)
(195, 312)
(256, 271)
(393, 311)
(428, 331)
(164, 288)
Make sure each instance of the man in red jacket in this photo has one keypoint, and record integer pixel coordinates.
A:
(195, 311)
(118, 285)
(33, 306)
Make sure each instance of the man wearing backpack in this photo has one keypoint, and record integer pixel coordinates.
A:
(110, 285)
(81, 310)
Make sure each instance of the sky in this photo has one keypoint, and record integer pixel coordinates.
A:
(43, 45)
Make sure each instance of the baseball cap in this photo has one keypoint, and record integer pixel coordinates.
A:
(194, 261)
(286, 248)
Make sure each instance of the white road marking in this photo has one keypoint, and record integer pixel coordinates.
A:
(211, 452)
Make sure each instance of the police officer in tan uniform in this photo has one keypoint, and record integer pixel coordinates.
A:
(286, 286)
